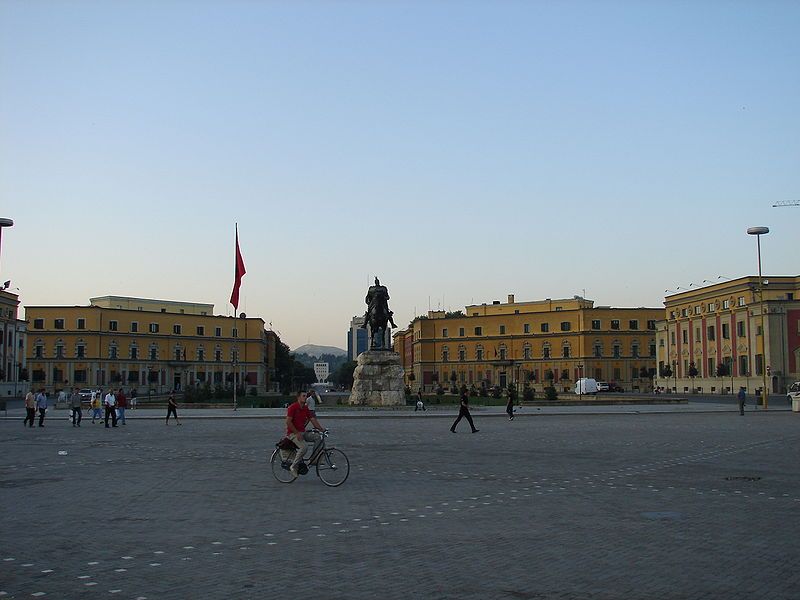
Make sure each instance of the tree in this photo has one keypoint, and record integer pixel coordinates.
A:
(531, 376)
(666, 371)
(549, 375)
(290, 373)
(643, 372)
(692, 373)
(722, 370)
(343, 376)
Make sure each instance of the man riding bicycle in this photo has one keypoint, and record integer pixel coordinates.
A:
(297, 417)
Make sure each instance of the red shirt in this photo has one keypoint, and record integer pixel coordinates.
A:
(300, 415)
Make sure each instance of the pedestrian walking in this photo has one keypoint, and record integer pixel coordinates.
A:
(75, 405)
(420, 405)
(30, 408)
(510, 407)
(96, 406)
(172, 409)
(122, 404)
(41, 405)
(110, 403)
(133, 398)
(311, 402)
(742, 395)
(463, 412)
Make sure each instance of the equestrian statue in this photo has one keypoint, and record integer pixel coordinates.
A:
(378, 315)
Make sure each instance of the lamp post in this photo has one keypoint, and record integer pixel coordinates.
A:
(758, 232)
(675, 374)
(4, 223)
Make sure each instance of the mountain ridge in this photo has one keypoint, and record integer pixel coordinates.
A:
(316, 350)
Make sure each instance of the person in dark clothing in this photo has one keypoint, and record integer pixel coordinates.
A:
(510, 407)
(172, 409)
(463, 412)
(742, 395)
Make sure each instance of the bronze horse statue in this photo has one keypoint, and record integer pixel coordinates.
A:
(378, 315)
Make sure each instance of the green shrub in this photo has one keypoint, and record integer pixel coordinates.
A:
(253, 391)
(550, 393)
(482, 393)
(528, 395)
(496, 392)
(440, 391)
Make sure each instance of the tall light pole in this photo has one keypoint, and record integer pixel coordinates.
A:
(758, 232)
(4, 223)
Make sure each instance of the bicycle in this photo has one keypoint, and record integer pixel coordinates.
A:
(332, 465)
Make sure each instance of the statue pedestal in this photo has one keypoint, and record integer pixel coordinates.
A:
(378, 380)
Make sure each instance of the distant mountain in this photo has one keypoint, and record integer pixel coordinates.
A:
(314, 350)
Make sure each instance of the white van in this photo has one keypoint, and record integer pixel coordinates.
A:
(586, 386)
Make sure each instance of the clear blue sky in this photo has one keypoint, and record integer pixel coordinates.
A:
(460, 150)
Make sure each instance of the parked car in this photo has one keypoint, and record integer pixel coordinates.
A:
(86, 394)
(794, 392)
(613, 387)
(602, 386)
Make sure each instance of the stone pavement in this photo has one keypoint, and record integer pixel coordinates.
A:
(670, 505)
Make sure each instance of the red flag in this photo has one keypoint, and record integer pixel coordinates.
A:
(240, 271)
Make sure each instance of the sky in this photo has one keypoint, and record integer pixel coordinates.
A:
(461, 151)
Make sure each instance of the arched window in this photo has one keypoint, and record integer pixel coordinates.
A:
(479, 352)
(445, 354)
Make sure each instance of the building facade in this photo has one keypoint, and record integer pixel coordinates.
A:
(539, 343)
(145, 345)
(357, 338)
(322, 370)
(711, 340)
(13, 363)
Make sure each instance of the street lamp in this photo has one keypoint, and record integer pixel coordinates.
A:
(675, 374)
(758, 232)
(4, 223)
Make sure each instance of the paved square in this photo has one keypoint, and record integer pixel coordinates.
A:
(600, 507)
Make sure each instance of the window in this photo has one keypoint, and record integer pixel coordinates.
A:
(710, 370)
(478, 331)
(653, 349)
(633, 324)
(726, 331)
(617, 350)
(112, 326)
(461, 332)
(711, 333)
(218, 355)
(697, 309)
(526, 352)
(200, 330)
(177, 353)
(651, 325)
(759, 364)
(80, 351)
(672, 338)
(200, 355)
(711, 307)
(234, 332)
(696, 334)
(479, 353)
(565, 352)
(134, 352)
(672, 314)
(740, 328)
(743, 366)
(598, 351)
(60, 351)
(79, 376)
(502, 329)
(684, 312)
(526, 328)
(617, 373)
(740, 301)
(502, 352)
(134, 327)
(462, 354)
(153, 354)
(685, 336)
(444, 332)
(81, 324)
(726, 304)
(153, 327)
(58, 324)
(596, 324)
(614, 323)
(176, 329)
(38, 323)
(218, 331)
(112, 352)
(635, 350)
(546, 352)
(661, 343)
(545, 327)
(565, 325)
(445, 354)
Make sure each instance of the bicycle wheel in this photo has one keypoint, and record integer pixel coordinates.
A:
(280, 468)
(333, 467)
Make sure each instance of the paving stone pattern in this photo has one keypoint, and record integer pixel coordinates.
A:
(586, 507)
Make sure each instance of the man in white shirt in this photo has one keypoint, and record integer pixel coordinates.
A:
(110, 403)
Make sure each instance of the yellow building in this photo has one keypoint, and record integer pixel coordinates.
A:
(711, 340)
(145, 344)
(536, 342)
(12, 347)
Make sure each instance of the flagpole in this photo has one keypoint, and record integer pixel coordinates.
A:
(236, 330)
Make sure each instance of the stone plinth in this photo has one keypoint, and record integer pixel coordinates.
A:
(378, 379)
